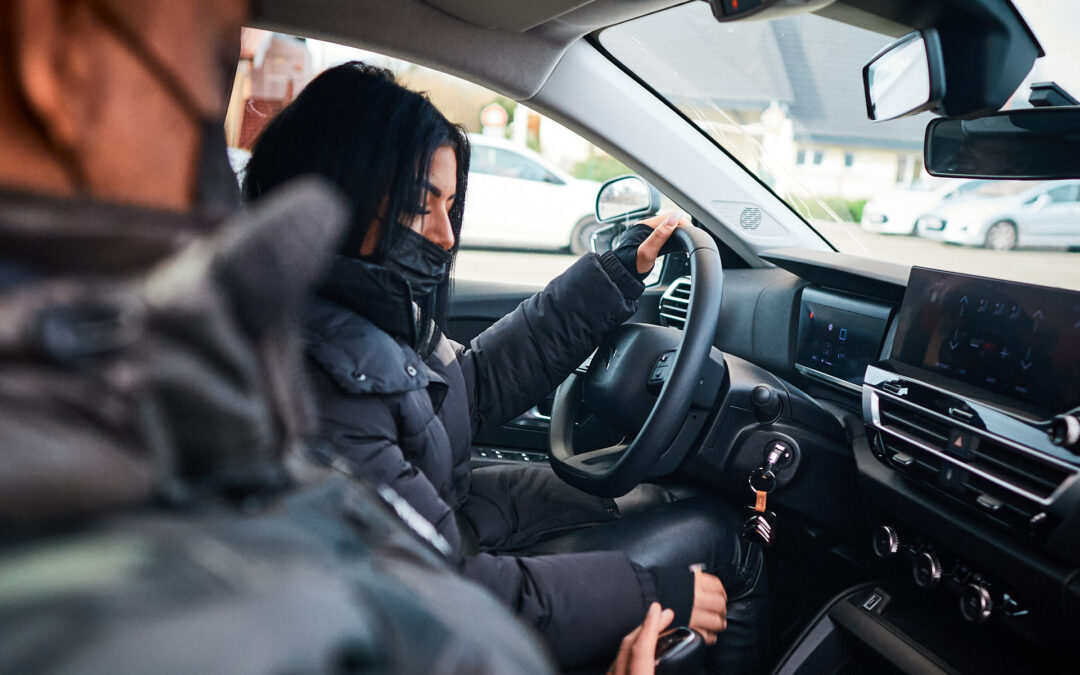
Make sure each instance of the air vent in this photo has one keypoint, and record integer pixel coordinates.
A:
(1005, 465)
(675, 302)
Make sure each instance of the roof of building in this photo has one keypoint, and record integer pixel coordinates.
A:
(809, 65)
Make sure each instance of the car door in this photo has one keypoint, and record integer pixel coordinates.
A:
(485, 206)
(1050, 216)
(516, 199)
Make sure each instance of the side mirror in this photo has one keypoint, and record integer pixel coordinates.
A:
(905, 78)
(1041, 201)
(625, 198)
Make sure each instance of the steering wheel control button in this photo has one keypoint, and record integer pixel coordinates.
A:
(927, 570)
(975, 603)
(660, 371)
(886, 542)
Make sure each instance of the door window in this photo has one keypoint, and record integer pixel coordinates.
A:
(522, 231)
(1065, 193)
(512, 165)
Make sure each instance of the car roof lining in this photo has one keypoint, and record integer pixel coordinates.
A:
(513, 62)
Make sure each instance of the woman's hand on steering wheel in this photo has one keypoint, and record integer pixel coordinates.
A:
(663, 225)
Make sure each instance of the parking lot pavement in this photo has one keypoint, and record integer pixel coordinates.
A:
(533, 268)
(1047, 267)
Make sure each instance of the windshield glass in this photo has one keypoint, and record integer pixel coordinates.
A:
(785, 98)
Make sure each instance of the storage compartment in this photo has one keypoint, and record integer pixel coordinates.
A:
(890, 627)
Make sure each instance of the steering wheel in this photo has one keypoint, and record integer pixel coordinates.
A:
(615, 385)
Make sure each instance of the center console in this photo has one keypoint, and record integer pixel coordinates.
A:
(970, 467)
(982, 377)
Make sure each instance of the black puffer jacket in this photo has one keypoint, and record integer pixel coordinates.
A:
(409, 424)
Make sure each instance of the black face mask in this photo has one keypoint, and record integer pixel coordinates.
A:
(422, 263)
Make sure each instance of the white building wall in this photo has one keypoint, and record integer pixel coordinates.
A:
(872, 172)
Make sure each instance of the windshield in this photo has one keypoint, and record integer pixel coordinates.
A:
(785, 98)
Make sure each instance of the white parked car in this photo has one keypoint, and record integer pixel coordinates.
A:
(896, 212)
(1017, 214)
(518, 199)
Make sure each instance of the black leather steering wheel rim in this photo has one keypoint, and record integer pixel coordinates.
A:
(614, 471)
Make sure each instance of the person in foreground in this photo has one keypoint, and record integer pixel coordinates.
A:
(400, 402)
(160, 507)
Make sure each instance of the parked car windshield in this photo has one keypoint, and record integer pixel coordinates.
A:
(785, 98)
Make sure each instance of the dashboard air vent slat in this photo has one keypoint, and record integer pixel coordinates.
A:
(1032, 475)
(1011, 466)
(675, 302)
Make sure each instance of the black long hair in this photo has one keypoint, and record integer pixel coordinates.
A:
(375, 139)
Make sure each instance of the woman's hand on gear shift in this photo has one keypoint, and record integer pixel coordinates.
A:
(637, 653)
(709, 613)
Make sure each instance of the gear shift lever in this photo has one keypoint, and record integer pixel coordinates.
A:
(680, 651)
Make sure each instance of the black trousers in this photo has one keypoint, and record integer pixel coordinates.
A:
(529, 510)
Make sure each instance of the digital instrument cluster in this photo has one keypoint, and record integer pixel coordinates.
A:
(839, 336)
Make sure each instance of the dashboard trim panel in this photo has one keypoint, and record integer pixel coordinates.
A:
(830, 379)
(875, 416)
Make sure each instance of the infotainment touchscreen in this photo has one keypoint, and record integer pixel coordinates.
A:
(1015, 340)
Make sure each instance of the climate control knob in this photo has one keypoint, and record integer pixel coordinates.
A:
(975, 603)
(927, 570)
(886, 542)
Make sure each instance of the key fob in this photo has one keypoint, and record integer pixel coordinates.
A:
(680, 651)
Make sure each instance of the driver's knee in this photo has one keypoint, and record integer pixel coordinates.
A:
(644, 497)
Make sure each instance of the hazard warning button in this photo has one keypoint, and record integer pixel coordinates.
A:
(961, 445)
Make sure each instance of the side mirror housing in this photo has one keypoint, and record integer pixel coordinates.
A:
(905, 78)
(619, 202)
(626, 198)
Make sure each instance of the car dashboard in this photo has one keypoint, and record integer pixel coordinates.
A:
(957, 398)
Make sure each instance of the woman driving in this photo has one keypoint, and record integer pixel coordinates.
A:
(400, 403)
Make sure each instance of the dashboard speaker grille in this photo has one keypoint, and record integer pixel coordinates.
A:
(675, 302)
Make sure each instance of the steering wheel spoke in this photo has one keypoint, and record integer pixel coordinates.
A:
(614, 384)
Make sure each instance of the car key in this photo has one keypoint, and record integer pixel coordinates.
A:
(758, 528)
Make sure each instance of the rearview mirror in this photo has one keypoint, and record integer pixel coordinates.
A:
(1028, 144)
(626, 197)
(905, 78)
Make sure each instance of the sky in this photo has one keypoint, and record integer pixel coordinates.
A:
(1056, 23)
